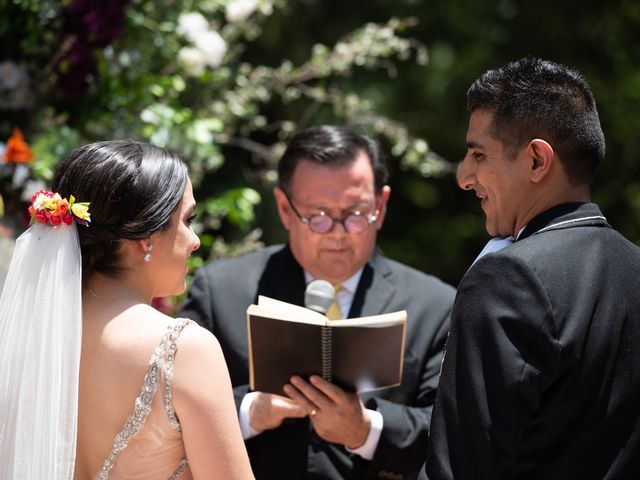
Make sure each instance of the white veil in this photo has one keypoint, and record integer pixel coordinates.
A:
(40, 341)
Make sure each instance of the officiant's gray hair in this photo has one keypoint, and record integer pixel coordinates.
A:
(331, 145)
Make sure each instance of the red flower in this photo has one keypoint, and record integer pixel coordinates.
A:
(39, 215)
(167, 305)
(53, 218)
(39, 192)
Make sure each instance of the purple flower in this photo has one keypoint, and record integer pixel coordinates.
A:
(90, 25)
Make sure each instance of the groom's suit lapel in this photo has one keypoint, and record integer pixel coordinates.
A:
(568, 215)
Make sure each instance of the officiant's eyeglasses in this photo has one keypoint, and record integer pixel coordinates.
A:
(353, 222)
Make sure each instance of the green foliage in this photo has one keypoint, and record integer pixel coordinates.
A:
(178, 75)
(235, 205)
(49, 147)
(273, 67)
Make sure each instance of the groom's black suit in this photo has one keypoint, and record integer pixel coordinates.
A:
(218, 300)
(542, 371)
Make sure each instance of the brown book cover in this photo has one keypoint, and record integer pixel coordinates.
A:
(357, 354)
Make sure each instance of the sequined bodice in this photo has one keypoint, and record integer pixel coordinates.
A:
(150, 444)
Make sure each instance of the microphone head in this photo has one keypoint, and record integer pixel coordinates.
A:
(319, 296)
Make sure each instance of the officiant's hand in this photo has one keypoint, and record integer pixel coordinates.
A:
(337, 416)
(268, 411)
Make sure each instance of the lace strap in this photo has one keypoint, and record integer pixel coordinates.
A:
(170, 353)
(182, 467)
(142, 406)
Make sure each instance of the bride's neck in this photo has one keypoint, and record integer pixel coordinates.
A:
(124, 290)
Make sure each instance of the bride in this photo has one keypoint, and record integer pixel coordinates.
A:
(94, 382)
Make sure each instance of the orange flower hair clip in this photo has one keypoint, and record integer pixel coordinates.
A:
(50, 208)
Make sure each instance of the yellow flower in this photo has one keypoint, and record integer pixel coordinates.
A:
(81, 210)
(51, 203)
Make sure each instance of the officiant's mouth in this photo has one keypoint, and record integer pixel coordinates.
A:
(336, 251)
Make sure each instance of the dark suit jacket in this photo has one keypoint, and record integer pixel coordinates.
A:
(218, 300)
(541, 377)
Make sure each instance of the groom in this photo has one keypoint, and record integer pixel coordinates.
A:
(541, 376)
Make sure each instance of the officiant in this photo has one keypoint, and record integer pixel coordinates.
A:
(332, 200)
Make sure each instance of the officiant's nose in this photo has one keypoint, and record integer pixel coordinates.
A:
(338, 228)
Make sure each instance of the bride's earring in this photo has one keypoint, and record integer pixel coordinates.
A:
(147, 256)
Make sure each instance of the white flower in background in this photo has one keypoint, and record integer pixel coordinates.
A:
(31, 186)
(209, 48)
(14, 86)
(20, 176)
(11, 75)
(193, 59)
(149, 116)
(192, 23)
(202, 133)
(240, 10)
(212, 45)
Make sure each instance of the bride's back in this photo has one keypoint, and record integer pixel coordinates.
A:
(115, 358)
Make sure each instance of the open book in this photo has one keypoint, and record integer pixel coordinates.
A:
(357, 354)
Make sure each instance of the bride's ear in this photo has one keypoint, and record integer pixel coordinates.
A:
(147, 248)
(143, 245)
(134, 250)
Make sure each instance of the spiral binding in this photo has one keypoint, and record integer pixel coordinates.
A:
(327, 347)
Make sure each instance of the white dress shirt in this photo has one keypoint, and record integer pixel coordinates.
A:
(494, 245)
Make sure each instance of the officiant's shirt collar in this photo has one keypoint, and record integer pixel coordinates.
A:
(350, 284)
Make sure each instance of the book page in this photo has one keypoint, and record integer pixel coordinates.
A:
(286, 311)
(384, 320)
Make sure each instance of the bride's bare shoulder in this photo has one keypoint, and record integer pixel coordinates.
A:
(198, 340)
(132, 332)
(151, 323)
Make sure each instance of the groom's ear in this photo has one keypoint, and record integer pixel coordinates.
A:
(542, 159)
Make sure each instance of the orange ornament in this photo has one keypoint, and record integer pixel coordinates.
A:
(17, 150)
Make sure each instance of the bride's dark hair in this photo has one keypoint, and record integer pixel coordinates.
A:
(133, 189)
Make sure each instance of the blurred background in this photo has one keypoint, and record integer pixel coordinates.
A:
(225, 83)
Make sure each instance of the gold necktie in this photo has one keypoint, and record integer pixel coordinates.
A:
(334, 312)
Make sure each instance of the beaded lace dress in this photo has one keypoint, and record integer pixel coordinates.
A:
(150, 444)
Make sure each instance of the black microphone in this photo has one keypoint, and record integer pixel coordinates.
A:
(319, 296)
